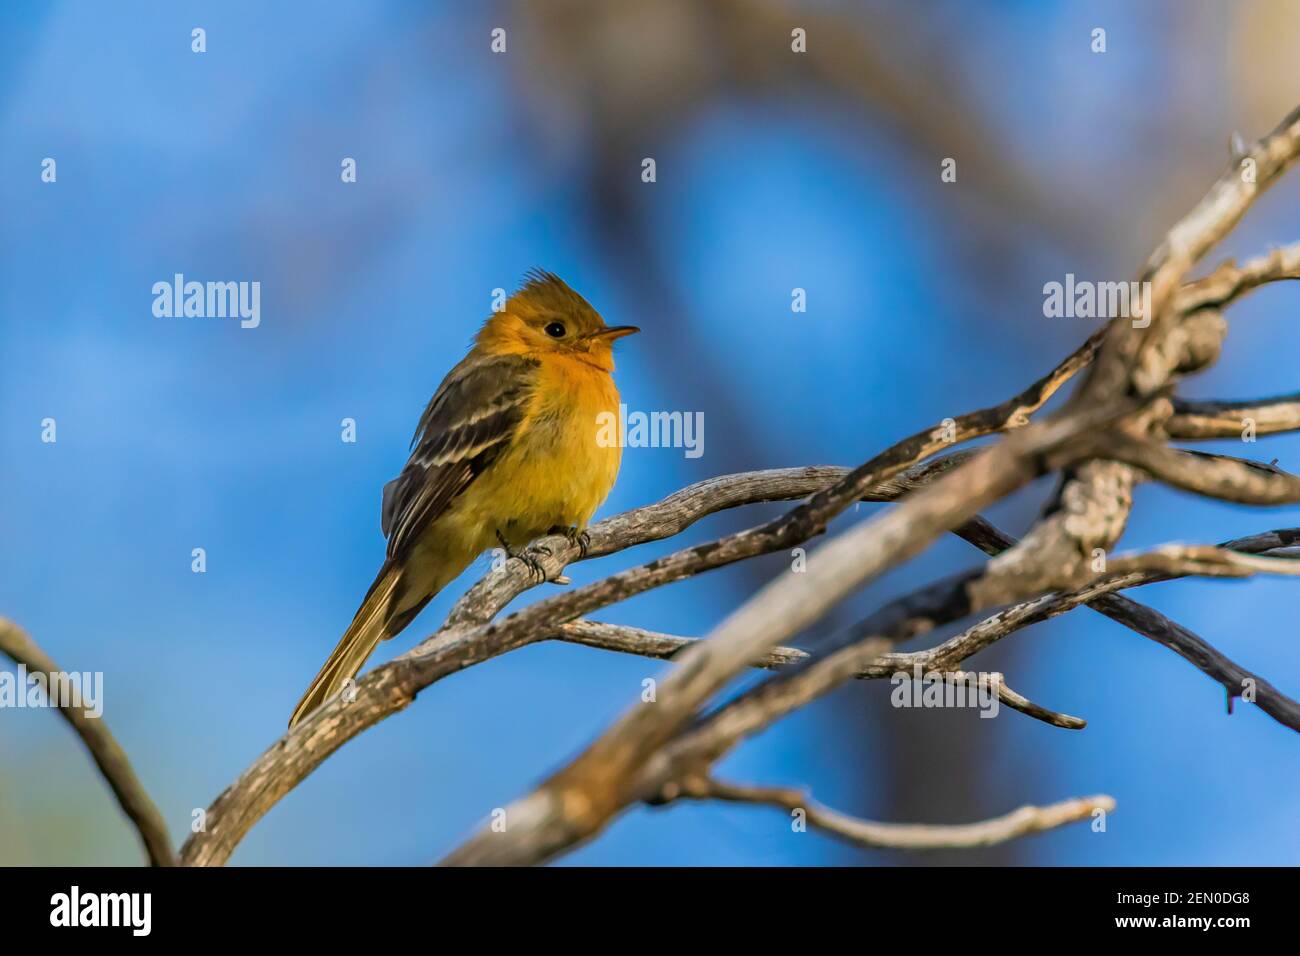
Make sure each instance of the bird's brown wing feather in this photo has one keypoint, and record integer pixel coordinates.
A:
(470, 419)
(467, 423)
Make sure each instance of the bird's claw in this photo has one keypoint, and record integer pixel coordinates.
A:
(577, 537)
(527, 556)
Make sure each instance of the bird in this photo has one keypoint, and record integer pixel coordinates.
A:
(507, 450)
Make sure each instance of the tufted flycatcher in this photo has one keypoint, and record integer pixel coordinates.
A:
(506, 451)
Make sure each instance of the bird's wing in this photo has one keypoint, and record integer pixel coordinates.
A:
(470, 419)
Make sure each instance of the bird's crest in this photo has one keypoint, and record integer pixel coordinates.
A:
(544, 291)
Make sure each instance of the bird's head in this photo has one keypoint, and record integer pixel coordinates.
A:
(546, 317)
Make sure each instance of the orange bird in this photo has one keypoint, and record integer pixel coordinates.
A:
(507, 450)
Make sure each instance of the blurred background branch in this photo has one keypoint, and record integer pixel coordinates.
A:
(18, 646)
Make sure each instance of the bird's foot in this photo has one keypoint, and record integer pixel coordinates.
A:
(526, 556)
(577, 537)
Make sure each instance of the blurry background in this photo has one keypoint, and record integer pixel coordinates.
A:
(775, 171)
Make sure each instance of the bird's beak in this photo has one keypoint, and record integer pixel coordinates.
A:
(614, 332)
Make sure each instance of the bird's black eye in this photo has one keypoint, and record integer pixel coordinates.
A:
(556, 330)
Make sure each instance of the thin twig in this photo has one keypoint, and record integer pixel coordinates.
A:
(653, 644)
(1230, 281)
(1234, 419)
(1215, 476)
(18, 646)
(905, 836)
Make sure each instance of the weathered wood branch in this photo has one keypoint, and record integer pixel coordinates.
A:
(1233, 419)
(904, 836)
(1214, 476)
(1230, 281)
(642, 643)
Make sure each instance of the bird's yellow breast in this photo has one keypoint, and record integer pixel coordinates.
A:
(556, 470)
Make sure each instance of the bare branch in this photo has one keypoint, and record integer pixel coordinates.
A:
(1204, 560)
(1126, 356)
(901, 836)
(643, 643)
(1150, 623)
(1230, 281)
(18, 646)
(1224, 419)
(1236, 680)
(1217, 476)
(862, 648)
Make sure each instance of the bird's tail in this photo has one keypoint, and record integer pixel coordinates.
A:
(377, 619)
